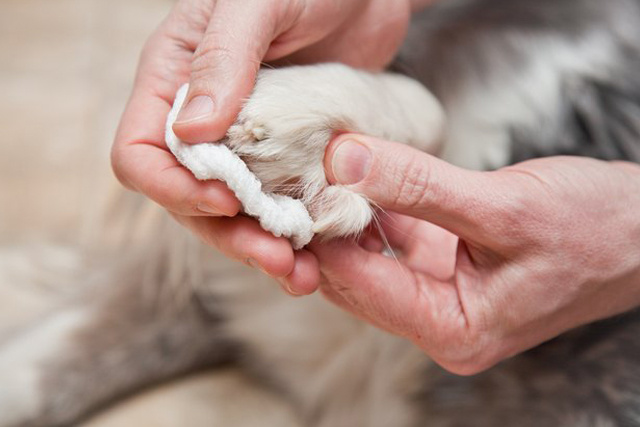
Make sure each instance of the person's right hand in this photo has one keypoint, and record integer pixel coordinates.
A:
(218, 47)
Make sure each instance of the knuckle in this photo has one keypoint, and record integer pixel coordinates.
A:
(211, 238)
(190, 17)
(469, 358)
(222, 61)
(149, 48)
(210, 54)
(201, 228)
(412, 180)
(119, 169)
(158, 189)
(465, 369)
(463, 352)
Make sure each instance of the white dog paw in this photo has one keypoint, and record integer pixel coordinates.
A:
(284, 128)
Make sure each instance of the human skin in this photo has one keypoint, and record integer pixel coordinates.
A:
(491, 263)
(218, 46)
(531, 250)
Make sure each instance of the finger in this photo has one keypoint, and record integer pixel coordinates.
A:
(155, 172)
(139, 155)
(373, 286)
(372, 241)
(225, 66)
(398, 231)
(432, 313)
(407, 234)
(242, 239)
(304, 279)
(402, 179)
(422, 246)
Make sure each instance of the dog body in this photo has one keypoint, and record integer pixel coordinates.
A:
(513, 79)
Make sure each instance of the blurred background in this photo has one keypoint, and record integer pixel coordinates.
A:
(66, 69)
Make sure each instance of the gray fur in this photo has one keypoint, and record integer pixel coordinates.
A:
(161, 309)
(461, 42)
(149, 323)
(588, 377)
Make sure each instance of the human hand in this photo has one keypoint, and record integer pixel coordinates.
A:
(219, 46)
(532, 250)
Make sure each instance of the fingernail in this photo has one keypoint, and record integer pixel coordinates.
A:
(203, 207)
(287, 287)
(351, 162)
(199, 107)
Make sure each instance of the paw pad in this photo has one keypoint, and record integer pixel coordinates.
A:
(254, 131)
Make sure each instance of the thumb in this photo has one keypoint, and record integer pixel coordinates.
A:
(397, 177)
(224, 69)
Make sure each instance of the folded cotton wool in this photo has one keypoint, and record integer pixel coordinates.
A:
(281, 215)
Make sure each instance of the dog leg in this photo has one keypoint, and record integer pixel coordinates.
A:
(125, 332)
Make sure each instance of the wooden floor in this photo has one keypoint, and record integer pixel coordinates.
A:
(66, 68)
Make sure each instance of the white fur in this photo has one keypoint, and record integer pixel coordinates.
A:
(284, 128)
(282, 134)
(477, 135)
(321, 356)
(23, 363)
(331, 364)
(342, 212)
(27, 274)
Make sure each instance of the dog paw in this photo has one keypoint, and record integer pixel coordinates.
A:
(285, 126)
(247, 132)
